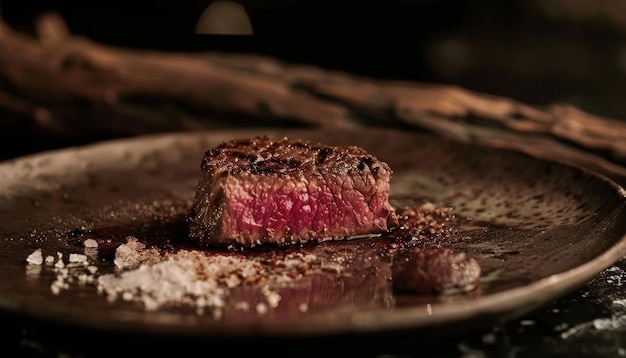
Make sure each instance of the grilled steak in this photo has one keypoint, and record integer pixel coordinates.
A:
(286, 191)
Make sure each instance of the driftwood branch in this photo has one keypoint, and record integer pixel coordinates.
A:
(69, 86)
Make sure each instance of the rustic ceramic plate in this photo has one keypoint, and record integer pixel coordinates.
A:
(538, 229)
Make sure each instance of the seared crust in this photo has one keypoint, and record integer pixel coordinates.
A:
(262, 155)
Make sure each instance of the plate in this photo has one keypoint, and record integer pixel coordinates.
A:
(538, 229)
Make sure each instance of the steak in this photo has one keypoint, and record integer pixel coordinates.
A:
(286, 191)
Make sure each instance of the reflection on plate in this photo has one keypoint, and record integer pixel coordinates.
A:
(538, 229)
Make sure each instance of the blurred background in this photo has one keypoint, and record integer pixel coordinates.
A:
(535, 51)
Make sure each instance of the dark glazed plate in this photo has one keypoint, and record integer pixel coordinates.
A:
(538, 229)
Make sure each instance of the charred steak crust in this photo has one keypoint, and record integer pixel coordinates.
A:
(261, 191)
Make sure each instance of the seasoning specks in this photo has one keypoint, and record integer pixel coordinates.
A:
(157, 278)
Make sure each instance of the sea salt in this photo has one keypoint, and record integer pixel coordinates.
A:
(158, 278)
(186, 277)
(90, 243)
(78, 258)
(35, 258)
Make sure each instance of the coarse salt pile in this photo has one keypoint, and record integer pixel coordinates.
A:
(192, 278)
(184, 277)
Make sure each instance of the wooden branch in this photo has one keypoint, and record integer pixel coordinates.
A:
(70, 86)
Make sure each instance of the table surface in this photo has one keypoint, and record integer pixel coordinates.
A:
(589, 322)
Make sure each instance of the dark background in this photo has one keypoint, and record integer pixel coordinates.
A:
(536, 51)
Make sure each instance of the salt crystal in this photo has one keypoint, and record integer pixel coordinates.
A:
(604, 324)
(35, 258)
(90, 243)
(261, 308)
(49, 260)
(134, 243)
(232, 280)
(78, 258)
(620, 303)
(126, 258)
